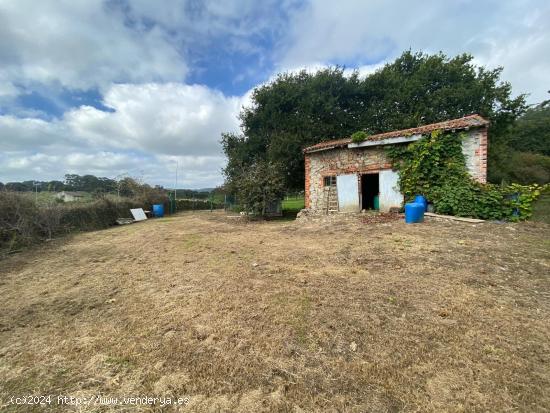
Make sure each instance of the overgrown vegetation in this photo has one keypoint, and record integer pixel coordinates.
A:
(522, 154)
(300, 109)
(198, 204)
(435, 167)
(23, 221)
(359, 136)
(258, 186)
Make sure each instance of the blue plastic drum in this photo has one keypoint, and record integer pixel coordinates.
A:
(414, 213)
(419, 199)
(158, 210)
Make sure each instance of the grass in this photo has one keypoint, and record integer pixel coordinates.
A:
(541, 209)
(293, 204)
(321, 315)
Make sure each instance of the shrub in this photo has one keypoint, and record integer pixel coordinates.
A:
(17, 221)
(258, 186)
(435, 167)
(196, 204)
(95, 215)
(359, 136)
(23, 223)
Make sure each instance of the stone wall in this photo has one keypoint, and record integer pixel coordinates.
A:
(373, 159)
(338, 162)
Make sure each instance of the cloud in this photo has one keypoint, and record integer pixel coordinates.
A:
(510, 34)
(81, 45)
(103, 87)
(148, 128)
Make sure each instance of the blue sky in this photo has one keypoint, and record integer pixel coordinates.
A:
(137, 86)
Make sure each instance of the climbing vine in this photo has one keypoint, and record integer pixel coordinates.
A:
(434, 166)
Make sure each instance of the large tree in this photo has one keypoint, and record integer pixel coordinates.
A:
(522, 154)
(300, 109)
(531, 132)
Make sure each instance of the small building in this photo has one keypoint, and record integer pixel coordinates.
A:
(342, 176)
(67, 196)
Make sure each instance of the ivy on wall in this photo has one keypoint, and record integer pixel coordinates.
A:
(434, 166)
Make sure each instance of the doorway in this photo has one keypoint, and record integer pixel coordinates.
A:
(370, 188)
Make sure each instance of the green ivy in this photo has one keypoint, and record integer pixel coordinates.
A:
(434, 166)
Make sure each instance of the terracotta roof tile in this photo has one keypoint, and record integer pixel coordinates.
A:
(470, 121)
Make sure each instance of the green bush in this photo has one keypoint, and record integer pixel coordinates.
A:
(23, 223)
(196, 204)
(435, 167)
(359, 136)
(95, 215)
(17, 221)
(258, 186)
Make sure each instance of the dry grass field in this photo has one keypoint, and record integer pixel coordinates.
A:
(331, 316)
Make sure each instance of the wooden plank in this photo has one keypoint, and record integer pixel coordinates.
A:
(470, 220)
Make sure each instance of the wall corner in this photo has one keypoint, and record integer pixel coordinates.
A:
(307, 164)
(483, 153)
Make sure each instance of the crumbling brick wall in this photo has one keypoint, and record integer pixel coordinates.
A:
(345, 160)
(474, 148)
(338, 162)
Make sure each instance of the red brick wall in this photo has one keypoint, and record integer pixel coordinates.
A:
(483, 147)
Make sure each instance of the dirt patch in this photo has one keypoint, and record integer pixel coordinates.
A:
(334, 315)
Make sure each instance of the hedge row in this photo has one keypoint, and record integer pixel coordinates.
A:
(23, 223)
(196, 204)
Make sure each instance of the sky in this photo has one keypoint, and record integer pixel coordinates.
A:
(142, 87)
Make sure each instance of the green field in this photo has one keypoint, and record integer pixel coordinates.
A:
(293, 204)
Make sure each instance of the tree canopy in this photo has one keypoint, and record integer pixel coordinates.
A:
(531, 132)
(301, 109)
(522, 153)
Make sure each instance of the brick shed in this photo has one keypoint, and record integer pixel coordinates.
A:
(345, 176)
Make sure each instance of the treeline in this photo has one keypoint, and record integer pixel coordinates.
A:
(72, 182)
(522, 153)
(126, 187)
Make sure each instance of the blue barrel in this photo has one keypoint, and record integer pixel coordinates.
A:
(158, 210)
(419, 199)
(414, 213)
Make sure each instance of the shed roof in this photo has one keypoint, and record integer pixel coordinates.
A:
(470, 121)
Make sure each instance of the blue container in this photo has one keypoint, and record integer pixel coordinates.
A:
(158, 210)
(414, 213)
(419, 199)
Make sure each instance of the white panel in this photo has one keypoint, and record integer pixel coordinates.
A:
(138, 214)
(389, 190)
(348, 193)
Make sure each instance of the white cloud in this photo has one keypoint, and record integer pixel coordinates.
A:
(515, 35)
(169, 119)
(150, 127)
(132, 53)
(80, 45)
